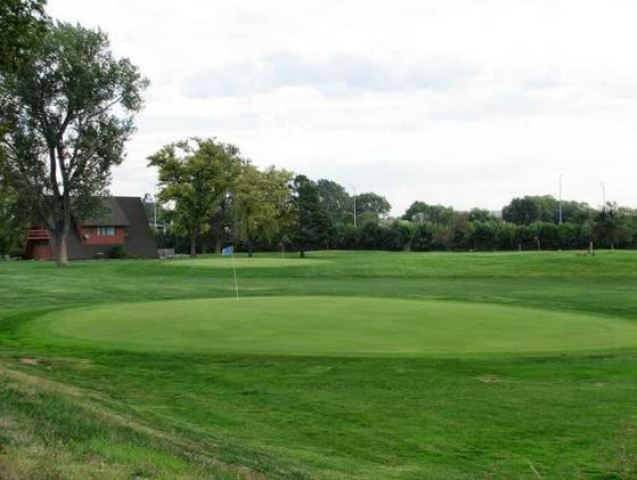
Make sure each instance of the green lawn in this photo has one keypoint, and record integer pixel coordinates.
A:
(345, 365)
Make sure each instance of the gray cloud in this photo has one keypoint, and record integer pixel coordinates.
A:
(338, 74)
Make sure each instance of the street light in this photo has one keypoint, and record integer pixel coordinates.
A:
(148, 198)
(354, 190)
(561, 203)
(603, 195)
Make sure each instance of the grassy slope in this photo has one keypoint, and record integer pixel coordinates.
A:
(167, 415)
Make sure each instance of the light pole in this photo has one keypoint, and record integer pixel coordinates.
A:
(603, 195)
(561, 205)
(148, 198)
(155, 209)
(354, 190)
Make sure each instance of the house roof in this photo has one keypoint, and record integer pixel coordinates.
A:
(139, 241)
(109, 214)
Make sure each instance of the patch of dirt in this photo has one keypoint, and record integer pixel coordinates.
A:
(488, 378)
(35, 362)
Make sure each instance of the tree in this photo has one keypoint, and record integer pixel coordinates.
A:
(371, 202)
(195, 174)
(13, 218)
(407, 232)
(261, 203)
(422, 212)
(480, 215)
(69, 112)
(530, 209)
(611, 226)
(22, 25)
(335, 201)
(576, 212)
(312, 222)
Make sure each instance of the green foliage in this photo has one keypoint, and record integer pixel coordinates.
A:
(335, 201)
(530, 209)
(372, 203)
(312, 222)
(480, 215)
(196, 175)
(22, 25)
(69, 111)
(262, 204)
(13, 220)
(611, 226)
(422, 212)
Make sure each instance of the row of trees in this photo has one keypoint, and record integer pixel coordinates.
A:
(66, 111)
(212, 196)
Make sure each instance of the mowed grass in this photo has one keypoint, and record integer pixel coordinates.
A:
(336, 393)
(330, 326)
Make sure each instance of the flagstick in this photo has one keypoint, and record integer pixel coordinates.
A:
(234, 270)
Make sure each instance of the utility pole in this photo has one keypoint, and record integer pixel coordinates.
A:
(603, 196)
(354, 190)
(155, 209)
(561, 204)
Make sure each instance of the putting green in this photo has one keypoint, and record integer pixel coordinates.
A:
(244, 262)
(329, 326)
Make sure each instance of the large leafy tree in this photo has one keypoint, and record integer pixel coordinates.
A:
(372, 203)
(421, 212)
(261, 203)
(335, 200)
(12, 219)
(22, 25)
(69, 111)
(195, 174)
(611, 226)
(312, 222)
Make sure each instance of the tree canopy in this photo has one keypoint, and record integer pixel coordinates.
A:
(195, 174)
(69, 111)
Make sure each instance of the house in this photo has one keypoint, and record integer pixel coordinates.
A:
(121, 225)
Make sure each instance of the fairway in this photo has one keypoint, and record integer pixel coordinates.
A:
(332, 326)
(344, 365)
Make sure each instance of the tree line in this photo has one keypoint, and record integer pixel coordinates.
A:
(211, 196)
(67, 108)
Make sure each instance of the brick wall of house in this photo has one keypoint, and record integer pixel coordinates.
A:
(89, 236)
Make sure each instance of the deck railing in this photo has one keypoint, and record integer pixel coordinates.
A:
(38, 234)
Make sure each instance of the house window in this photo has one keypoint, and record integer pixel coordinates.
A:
(105, 231)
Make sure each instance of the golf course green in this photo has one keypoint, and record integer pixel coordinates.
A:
(331, 326)
(343, 365)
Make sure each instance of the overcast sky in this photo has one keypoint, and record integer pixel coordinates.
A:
(460, 102)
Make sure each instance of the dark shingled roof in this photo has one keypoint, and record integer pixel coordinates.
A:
(125, 212)
(110, 213)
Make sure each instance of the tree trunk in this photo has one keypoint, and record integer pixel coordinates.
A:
(218, 245)
(249, 249)
(61, 247)
(61, 233)
(302, 252)
(193, 246)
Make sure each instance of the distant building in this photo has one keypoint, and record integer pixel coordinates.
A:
(122, 223)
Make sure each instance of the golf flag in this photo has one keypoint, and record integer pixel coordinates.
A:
(227, 252)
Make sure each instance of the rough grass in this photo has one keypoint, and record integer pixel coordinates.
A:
(95, 412)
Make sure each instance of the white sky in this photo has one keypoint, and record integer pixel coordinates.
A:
(461, 102)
